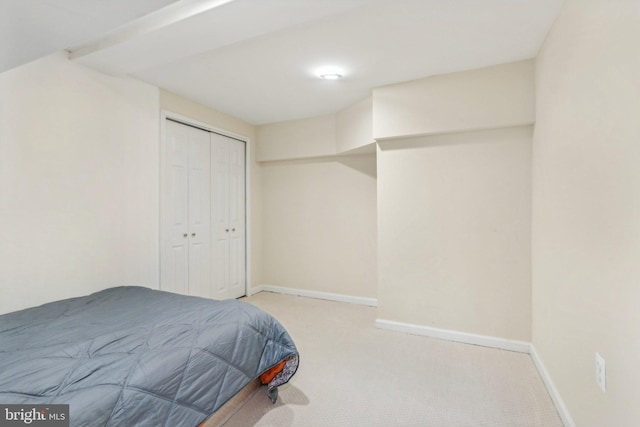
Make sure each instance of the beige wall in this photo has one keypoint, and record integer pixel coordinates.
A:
(454, 210)
(586, 199)
(297, 139)
(79, 174)
(174, 103)
(354, 127)
(319, 224)
(319, 208)
(454, 232)
(486, 98)
(348, 132)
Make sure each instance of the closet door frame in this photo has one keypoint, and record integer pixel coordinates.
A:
(166, 114)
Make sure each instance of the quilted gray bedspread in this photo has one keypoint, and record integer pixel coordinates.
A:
(132, 356)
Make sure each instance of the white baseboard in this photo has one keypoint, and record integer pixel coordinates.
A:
(447, 334)
(487, 341)
(371, 302)
(565, 416)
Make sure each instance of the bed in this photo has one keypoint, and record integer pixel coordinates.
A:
(132, 356)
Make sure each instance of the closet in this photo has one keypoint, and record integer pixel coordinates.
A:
(203, 239)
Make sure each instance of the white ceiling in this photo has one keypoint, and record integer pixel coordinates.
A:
(255, 59)
(31, 29)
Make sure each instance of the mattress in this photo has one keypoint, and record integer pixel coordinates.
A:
(130, 356)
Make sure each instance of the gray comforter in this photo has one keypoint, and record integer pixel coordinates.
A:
(132, 356)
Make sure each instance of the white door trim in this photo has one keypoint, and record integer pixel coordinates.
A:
(168, 114)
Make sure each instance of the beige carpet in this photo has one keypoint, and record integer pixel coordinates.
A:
(352, 374)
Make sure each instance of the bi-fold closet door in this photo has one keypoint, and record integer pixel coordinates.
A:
(203, 239)
(228, 217)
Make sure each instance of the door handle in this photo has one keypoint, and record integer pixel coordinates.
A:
(193, 234)
(227, 230)
(233, 229)
(185, 235)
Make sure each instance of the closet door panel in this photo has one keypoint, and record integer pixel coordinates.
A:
(199, 270)
(220, 216)
(236, 268)
(174, 271)
(220, 269)
(175, 274)
(237, 221)
(199, 214)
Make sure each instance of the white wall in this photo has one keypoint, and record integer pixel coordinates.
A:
(454, 232)
(319, 224)
(586, 204)
(79, 173)
(178, 104)
(354, 127)
(486, 98)
(319, 207)
(452, 211)
(297, 139)
(348, 132)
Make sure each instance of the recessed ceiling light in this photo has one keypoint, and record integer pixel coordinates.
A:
(330, 73)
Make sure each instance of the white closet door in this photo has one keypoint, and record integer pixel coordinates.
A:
(219, 216)
(237, 221)
(228, 217)
(174, 263)
(199, 214)
(185, 249)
